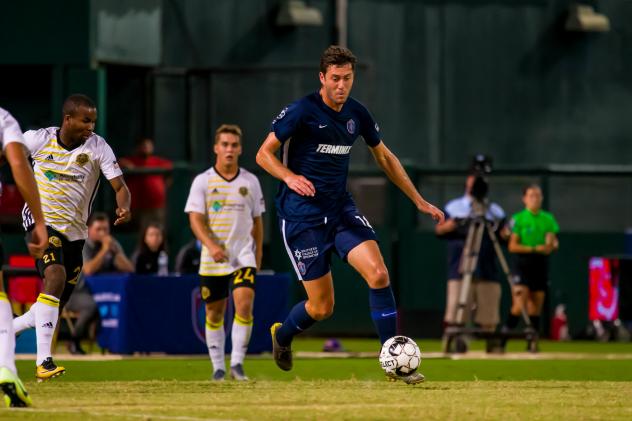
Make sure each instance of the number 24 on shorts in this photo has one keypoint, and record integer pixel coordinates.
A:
(245, 274)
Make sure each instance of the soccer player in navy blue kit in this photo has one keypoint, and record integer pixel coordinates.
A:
(317, 215)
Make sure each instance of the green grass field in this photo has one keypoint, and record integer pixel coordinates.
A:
(595, 385)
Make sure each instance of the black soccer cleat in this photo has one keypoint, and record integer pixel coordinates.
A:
(237, 373)
(218, 375)
(282, 354)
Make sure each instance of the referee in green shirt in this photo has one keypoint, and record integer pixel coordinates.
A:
(533, 239)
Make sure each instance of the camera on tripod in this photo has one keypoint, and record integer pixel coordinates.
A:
(480, 168)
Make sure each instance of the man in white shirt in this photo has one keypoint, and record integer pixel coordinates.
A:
(68, 162)
(12, 145)
(225, 206)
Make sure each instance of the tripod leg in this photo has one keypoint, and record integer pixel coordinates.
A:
(505, 267)
(469, 260)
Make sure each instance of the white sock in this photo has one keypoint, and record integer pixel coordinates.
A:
(240, 335)
(46, 315)
(7, 337)
(25, 321)
(215, 341)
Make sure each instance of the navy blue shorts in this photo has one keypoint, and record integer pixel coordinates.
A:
(310, 244)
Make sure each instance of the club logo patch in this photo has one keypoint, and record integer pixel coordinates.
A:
(82, 159)
(54, 241)
(205, 293)
(243, 191)
(351, 126)
(301, 268)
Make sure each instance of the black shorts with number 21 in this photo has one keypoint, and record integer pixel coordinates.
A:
(215, 288)
(60, 251)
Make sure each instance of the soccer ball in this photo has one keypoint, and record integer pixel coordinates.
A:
(400, 355)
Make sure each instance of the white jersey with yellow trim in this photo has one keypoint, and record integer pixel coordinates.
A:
(229, 207)
(9, 130)
(67, 179)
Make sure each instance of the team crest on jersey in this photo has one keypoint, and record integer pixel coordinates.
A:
(243, 191)
(54, 241)
(82, 159)
(351, 126)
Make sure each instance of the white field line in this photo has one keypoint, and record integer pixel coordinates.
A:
(124, 414)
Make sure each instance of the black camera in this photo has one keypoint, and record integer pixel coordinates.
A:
(480, 168)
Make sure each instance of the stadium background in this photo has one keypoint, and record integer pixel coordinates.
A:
(445, 80)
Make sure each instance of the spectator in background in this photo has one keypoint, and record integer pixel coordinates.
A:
(151, 257)
(148, 190)
(533, 239)
(188, 258)
(101, 254)
(485, 289)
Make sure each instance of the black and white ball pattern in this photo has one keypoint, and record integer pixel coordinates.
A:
(400, 355)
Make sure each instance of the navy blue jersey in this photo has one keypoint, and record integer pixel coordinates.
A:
(317, 141)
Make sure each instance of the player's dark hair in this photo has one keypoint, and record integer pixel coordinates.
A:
(98, 216)
(74, 101)
(528, 187)
(228, 128)
(336, 55)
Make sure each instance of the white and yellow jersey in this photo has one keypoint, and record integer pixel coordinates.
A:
(67, 179)
(229, 206)
(9, 130)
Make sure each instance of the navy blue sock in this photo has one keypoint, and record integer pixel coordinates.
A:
(297, 321)
(383, 312)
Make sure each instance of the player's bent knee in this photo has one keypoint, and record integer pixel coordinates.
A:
(322, 311)
(55, 274)
(379, 278)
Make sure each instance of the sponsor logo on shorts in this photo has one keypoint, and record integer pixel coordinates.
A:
(54, 241)
(308, 253)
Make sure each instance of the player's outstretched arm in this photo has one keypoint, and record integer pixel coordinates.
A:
(390, 164)
(25, 181)
(267, 159)
(199, 228)
(123, 200)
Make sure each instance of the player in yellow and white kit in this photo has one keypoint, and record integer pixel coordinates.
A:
(225, 206)
(12, 146)
(67, 162)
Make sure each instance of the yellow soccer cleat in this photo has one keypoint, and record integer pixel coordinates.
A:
(15, 395)
(48, 370)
